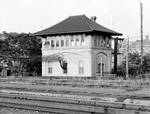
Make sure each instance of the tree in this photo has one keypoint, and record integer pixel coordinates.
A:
(25, 49)
(135, 68)
(146, 63)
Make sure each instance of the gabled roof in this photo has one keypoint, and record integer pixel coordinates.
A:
(76, 24)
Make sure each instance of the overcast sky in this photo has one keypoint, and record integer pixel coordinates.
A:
(34, 15)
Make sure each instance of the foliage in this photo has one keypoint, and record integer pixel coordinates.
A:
(24, 49)
(135, 68)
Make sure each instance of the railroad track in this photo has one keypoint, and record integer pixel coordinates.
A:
(68, 105)
(43, 104)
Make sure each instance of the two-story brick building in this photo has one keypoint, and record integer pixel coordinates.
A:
(77, 46)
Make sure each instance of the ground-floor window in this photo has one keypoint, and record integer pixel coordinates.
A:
(50, 69)
(100, 67)
(81, 67)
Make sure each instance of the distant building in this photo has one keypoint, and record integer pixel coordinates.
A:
(134, 47)
(77, 46)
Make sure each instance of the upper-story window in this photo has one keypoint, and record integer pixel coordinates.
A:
(62, 43)
(104, 42)
(77, 41)
(108, 42)
(99, 41)
(52, 43)
(82, 40)
(67, 42)
(47, 43)
(57, 43)
(95, 41)
(72, 41)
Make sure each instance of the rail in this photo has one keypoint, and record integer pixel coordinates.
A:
(54, 103)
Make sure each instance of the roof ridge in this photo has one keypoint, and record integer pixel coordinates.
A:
(77, 15)
(86, 19)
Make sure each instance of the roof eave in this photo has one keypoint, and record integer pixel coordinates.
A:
(110, 33)
(62, 33)
(77, 32)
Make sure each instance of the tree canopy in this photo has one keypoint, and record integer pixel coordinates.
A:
(23, 48)
(135, 68)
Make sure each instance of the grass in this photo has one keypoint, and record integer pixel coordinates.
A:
(101, 87)
(129, 85)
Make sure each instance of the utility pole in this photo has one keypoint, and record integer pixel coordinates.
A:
(127, 63)
(141, 29)
(101, 67)
(116, 52)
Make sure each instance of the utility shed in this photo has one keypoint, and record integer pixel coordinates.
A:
(77, 46)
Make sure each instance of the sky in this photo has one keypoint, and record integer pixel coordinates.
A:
(33, 15)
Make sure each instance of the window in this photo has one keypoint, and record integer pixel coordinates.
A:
(72, 41)
(99, 67)
(81, 67)
(102, 67)
(95, 44)
(47, 43)
(62, 43)
(67, 43)
(82, 40)
(77, 42)
(108, 44)
(104, 42)
(57, 43)
(49, 70)
(52, 43)
(98, 42)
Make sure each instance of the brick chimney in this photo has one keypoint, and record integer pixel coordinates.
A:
(93, 18)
